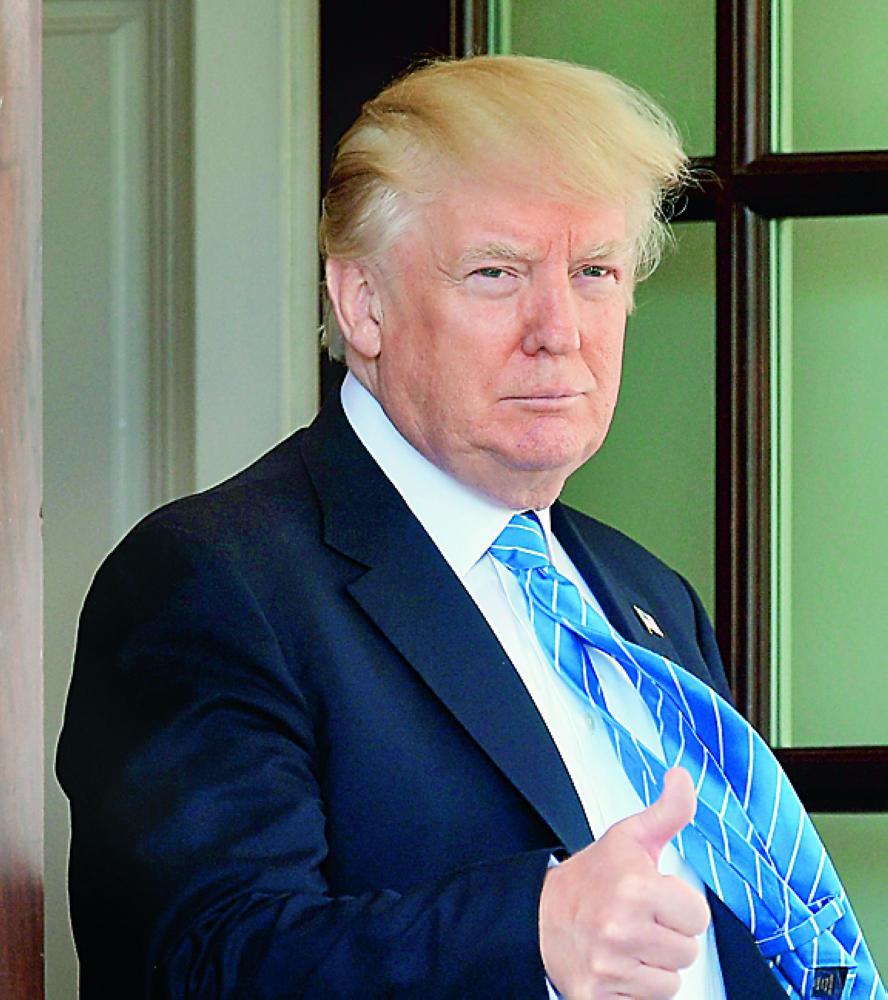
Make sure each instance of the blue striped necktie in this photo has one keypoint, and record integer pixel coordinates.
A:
(751, 840)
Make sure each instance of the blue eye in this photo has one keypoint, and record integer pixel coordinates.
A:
(594, 271)
(490, 272)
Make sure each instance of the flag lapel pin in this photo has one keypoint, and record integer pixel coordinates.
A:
(649, 622)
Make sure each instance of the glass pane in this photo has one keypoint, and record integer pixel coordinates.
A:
(653, 477)
(831, 63)
(637, 41)
(858, 846)
(832, 566)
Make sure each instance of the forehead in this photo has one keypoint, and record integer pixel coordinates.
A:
(477, 218)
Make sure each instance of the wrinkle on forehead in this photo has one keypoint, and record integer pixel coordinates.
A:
(471, 223)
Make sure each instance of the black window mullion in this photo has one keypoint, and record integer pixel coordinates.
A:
(742, 360)
(816, 184)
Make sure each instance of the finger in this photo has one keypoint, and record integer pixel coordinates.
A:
(680, 907)
(668, 949)
(648, 983)
(669, 815)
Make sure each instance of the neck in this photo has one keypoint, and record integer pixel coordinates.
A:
(519, 490)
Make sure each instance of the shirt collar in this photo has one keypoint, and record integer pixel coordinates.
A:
(462, 522)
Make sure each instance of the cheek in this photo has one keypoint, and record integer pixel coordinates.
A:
(443, 389)
(615, 365)
(604, 356)
(465, 370)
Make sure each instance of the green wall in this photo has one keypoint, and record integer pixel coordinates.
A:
(834, 93)
(666, 48)
(857, 845)
(837, 481)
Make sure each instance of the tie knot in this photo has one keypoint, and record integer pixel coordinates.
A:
(521, 545)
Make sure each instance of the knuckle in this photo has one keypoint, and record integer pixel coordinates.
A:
(605, 972)
(615, 936)
(670, 984)
(634, 888)
(687, 952)
(702, 917)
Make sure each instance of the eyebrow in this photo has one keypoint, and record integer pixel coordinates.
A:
(606, 251)
(496, 251)
(508, 252)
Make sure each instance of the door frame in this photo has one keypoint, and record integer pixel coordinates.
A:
(21, 611)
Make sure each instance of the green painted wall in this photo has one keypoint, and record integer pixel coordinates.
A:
(857, 845)
(666, 48)
(838, 483)
(836, 57)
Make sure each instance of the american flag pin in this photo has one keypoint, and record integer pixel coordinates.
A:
(649, 622)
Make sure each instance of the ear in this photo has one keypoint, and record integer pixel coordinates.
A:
(355, 300)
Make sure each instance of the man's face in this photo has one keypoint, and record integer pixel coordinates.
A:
(501, 324)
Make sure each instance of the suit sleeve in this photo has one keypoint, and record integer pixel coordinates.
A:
(190, 756)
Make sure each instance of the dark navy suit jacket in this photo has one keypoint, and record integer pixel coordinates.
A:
(299, 761)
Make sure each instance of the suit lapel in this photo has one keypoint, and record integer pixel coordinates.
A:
(415, 599)
(617, 602)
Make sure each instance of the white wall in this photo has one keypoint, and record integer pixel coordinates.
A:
(255, 218)
(114, 344)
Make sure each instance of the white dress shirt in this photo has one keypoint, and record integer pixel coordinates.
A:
(463, 524)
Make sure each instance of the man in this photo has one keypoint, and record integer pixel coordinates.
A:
(317, 741)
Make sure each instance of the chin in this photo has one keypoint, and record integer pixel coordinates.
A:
(532, 494)
(552, 444)
(561, 458)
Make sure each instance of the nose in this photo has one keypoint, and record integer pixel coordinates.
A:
(553, 324)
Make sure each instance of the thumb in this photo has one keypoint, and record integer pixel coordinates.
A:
(653, 828)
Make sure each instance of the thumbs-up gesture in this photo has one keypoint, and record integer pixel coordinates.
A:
(610, 923)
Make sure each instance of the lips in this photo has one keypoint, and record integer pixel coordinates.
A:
(563, 394)
(547, 394)
(547, 400)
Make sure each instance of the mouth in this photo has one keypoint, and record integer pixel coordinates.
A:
(553, 399)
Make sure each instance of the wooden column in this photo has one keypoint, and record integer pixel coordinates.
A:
(21, 688)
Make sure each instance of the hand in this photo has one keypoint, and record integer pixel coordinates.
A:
(610, 924)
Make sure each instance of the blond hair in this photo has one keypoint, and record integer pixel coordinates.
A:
(559, 128)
